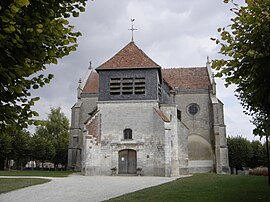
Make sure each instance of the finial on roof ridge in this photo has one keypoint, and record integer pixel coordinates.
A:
(90, 65)
(79, 89)
(207, 59)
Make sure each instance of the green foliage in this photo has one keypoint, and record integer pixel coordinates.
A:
(42, 148)
(240, 152)
(5, 145)
(33, 34)
(258, 154)
(6, 148)
(21, 147)
(49, 143)
(55, 131)
(15, 145)
(243, 153)
(57, 124)
(245, 45)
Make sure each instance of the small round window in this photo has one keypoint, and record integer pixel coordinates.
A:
(193, 109)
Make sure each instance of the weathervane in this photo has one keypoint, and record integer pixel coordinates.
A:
(132, 29)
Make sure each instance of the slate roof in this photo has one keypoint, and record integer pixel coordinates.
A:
(183, 78)
(129, 57)
(187, 78)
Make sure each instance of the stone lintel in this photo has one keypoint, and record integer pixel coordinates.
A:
(126, 101)
(126, 143)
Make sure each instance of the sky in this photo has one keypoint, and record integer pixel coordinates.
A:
(174, 33)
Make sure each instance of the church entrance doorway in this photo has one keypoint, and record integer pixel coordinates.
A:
(127, 161)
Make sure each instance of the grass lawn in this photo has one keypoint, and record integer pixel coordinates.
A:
(206, 188)
(36, 173)
(10, 184)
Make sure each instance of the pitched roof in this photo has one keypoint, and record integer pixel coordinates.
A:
(161, 115)
(184, 78)
(187, 78)
(91, 85)
(129, 57)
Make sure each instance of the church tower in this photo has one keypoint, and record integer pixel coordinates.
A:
(129, 75)
(136, 126)
(132, 117)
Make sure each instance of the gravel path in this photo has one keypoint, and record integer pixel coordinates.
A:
(77, 188)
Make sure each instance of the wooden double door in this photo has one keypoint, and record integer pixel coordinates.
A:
(127, 161)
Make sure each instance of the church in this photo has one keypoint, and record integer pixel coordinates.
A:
(134, 117)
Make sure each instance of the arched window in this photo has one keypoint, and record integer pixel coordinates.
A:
(127, 134)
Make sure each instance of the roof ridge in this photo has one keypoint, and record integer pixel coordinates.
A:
(193, 67)
(91, 84)
(86, 77)
(130, 56)
(116, 54)
(145, 54)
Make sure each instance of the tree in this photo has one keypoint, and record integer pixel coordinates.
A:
(62, 151)
(42, 148)
(240, 152)
(33, 34)
(20, 147)
(258, 154)
(14, 145)
(56, 130)
(6, 147)
(57, 126)
(264, 158)
(246, 47)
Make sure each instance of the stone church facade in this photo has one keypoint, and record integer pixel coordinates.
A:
(134, 116)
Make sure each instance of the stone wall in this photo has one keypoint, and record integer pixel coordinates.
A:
(79, 115)
(196, 143)
(183, 148)
(159, 139)
(147, 138)
(219, 130)
(200, 138)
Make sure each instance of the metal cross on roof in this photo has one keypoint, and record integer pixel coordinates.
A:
(132, 29)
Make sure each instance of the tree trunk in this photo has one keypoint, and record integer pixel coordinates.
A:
(9, 166)
(2, 163)
(32, 164)
(17, 164)
(268, 161)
